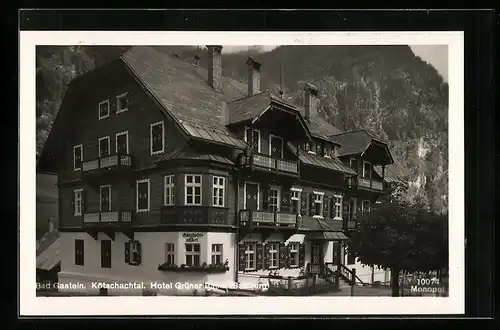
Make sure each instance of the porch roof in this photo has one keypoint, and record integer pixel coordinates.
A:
(327, 236)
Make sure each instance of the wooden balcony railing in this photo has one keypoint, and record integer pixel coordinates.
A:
(107, 162)
(274, 164)
(354, 182)
(182, 214)
(108, 217)
(258, 218)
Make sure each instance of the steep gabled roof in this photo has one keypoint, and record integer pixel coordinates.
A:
(333, 164)
(252, 106)
(181, 87)
(354, 142)
(319, 126)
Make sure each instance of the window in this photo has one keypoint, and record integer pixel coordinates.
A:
(250, 256)
(142, 192)
(274, 199)
(333, 152)
(318, 204)
(273, 255)
(252, 138)
(193, 190)
(307, 146)
(192, 254)
(319, 149)
(121, 103)
(218, 191)
(337, 207)
(105, 198)
(156, 137)
(367, 170)
(326, 150)
(294, 254)
(106, 254)
(169, 253)
(78, 201)
(77, 157)
(295, 201)
(122, 143)
(103, 109)
(79, 252)
(104, 146)
(217, 254)
(135, 253)
(365, 206)
(169, 190)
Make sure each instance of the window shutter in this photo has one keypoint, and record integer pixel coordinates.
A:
(84, 201)
(283, 256)
(303, 204)
(346, 214)
(73, 203)
(139, 253)
(325, 206)
(311, 204)
(285, 201)
(113, 105)
(128, 101)
(265, 197)
(302, 255)
(127, 252)
(260, 256)
(241, 257)
(266, 256)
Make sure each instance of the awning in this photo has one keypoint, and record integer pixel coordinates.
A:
(327, 236)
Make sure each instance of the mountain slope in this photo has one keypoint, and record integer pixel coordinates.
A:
(386, 89)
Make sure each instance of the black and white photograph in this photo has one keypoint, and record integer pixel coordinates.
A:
(219, 173)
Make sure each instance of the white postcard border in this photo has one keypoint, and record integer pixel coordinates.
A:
(31, 305)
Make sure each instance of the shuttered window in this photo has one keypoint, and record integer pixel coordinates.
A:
(273, 255)
(250, 256)
(106, 254)
(121, 103)
(78, 201)
(156, 138)
(77, 157)
(143, 200)
(103, 108)
(295, 201)
(104, 146)
(79, 254)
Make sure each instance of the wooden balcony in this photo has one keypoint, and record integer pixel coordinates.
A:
(106, 164)
(109, 218)
(109, 222)
(194, 215)
(267, 163)
(267, 219)
(367, 184)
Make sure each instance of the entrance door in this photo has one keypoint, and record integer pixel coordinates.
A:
(276, 147)
(252, 196)
(336, 254)
(316, 257)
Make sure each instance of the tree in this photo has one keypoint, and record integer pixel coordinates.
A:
(400, 236)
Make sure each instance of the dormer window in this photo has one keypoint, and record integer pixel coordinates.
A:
(121, 103)
(326, 151)
(333, 152)
(367, 170)
(103, 108)
(307, 146)
(319, 149)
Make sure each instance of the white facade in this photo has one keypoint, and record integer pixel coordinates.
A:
(152, 255)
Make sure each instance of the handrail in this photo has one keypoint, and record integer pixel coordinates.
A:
(349, 278)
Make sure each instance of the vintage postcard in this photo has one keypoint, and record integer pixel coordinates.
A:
(198, 173)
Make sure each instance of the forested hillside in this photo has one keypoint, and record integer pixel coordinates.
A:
(386, 89)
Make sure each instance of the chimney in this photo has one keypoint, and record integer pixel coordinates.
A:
(310, 100)
(215, 66)
(197, 60)
(51, 225)
(253, 76)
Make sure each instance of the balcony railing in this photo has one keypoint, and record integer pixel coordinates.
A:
(205, 215)
(365, 183)
(274, 164)
(108, 217)
(258, 218)
(107, 162)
